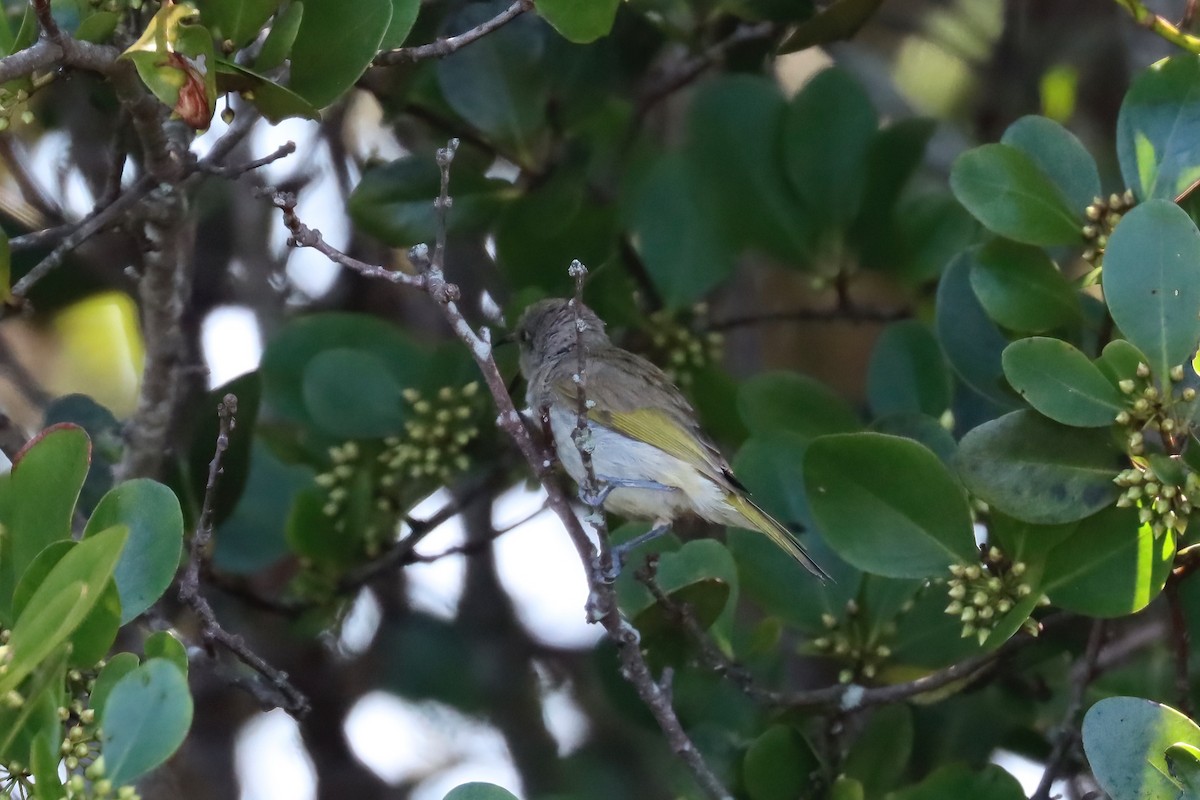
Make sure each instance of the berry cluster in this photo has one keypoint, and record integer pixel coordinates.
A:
(1103, 216)
(847, 639)
(981, 594)
(680, 346)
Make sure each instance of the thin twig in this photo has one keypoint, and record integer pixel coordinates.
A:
(292, 699)
(238, 170)
(444, 47)
(1160, 25)
(45, 18)
(1081, 676)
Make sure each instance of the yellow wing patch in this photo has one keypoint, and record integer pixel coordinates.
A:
(655, 428)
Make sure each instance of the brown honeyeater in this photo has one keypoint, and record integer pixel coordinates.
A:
(647, 445)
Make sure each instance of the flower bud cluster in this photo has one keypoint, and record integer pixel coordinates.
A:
(680, 348)
(1149, 408)
(851, 640)
(437, 434)
(1102, 217)
(980, 594)
(1162, 504)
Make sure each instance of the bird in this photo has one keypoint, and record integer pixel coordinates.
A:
(648, 451)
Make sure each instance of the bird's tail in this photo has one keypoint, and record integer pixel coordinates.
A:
(775, 531)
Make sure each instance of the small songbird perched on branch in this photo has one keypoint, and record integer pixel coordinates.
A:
(649, 455)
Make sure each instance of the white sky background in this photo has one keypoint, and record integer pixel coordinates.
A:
(399, 740)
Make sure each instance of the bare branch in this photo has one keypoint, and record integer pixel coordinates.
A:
(238, 170)
(444, 47)
(290, 698)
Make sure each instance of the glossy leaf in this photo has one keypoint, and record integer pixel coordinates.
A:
(1152, 282)
(278, 44)
(683, 252)
(1021, 288)
(333, 48)
(1061, 382)
(107, 442)
(828, 128)
(351, 395)
(1005, 189)
(151, 513)
(579, 21)
(971, 341)
(911, 525)
(276, 102)
(779, 765)
(1060, 155)
(37, 501)
(1158, 129)
(787, 401)
(163, 644)
(404, 16)
(1126, 740)
(61, 602)
(1037, 470)
(146, 717)
(907, 372)
(237, 21)
(1109, 566)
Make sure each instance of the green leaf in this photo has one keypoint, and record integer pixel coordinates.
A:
(1152, 282)
(278, 44)
(252, 538)
(351, 395)
(393, 202)
(404, 16)
(959, 781)
(684, 253)
(911, 525)
(971, 341)
(276, 102)
(1037, 470)
(828, 128)
(1158, 129)
(19, 725)
(98, 27)
(930, 229)
(1021, 288)
(1109, 566)
(479, 791)
(116, 668)
(779, 765)
(61, 602)
(1061, 382)
(37, 501)
(579, 21)
(840, 20)
(498, 84)
(238, 21)
(881, 752)
(333, 48)
(151, 513)
(1004, 189)
(1183, 762)
(907, 372)
(894, 155)
(145, 719)
(163, 644)
(1126, 740)
(1060, 155)
(735, 138)
(786, 401)
(920, 428)
(107, 442)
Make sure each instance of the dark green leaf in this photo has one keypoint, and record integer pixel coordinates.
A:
(1158, 129)
(930, 229)
(252, 537)
(881, 752)
(1152, 282)
(579, 21)
(1004, 189)
(334, 48)
(1126, 740)
(1109, 566)
(913, 524)
(779, 765)
(480, 791)
(97, 27)
(151, 513)
(786, 401)
(237, 21)
(276, 102)
(106, 434)
(828, 127)
(1061, 382)
(841, 20)
(893, 157)
(116, 668)
(163, 644)
(1060, 155)
(907, 372)
(920, 428)
(145, 719)
(351, 395)
(278, 44)
(685, 254)
(37, 501)
(1021, 288)
(958, 781)
(404, 15)
(1037, 470)
(972, 343)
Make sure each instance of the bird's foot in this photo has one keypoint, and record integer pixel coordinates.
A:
(621, 552)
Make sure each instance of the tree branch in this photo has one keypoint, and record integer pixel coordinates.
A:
(1160, 25)
(444, 47)
(288, 696)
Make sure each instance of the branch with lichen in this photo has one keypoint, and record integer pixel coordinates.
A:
(1160, 25)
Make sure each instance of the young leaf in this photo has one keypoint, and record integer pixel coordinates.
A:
(913, 524)
(1152, 282)
(1061, 382)
(145, 719)
(1004, 189)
